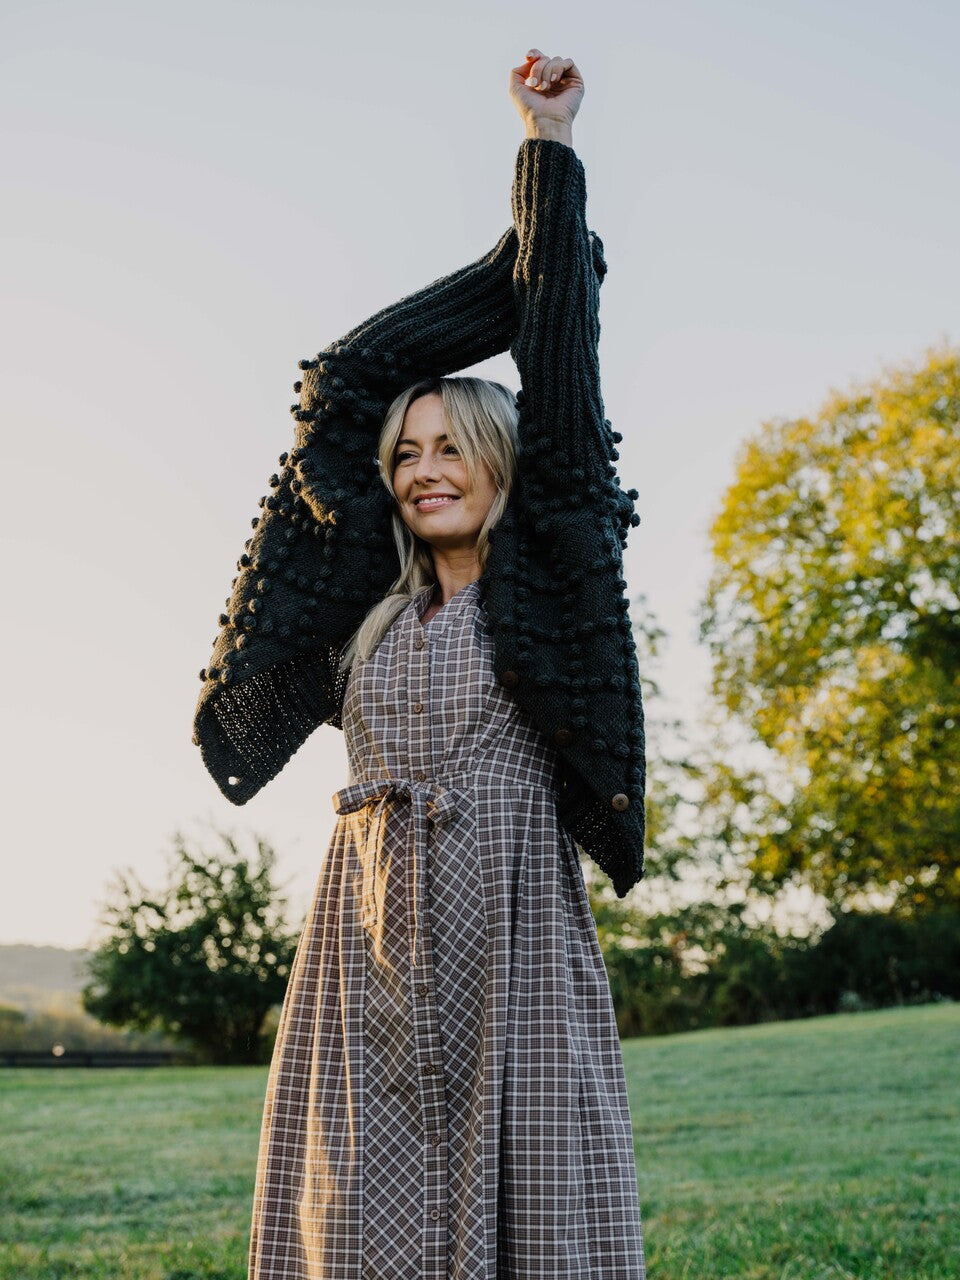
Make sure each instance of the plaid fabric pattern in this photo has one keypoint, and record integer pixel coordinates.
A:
(446, 1099)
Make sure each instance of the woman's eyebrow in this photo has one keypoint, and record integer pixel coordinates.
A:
(400, 442)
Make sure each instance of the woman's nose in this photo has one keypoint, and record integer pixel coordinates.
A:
(426, 468)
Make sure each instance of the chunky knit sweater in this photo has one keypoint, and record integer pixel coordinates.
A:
(322, 553)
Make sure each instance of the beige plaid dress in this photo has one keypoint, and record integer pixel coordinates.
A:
(446, 1099)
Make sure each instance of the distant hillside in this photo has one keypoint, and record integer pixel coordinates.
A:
(38, 977)
(44, 985)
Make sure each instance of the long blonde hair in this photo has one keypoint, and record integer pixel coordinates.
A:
(481, 421)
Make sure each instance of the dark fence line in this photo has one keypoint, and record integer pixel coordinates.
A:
(90, 1058)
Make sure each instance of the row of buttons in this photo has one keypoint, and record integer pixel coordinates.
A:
(431, 1085)
(430, 1069)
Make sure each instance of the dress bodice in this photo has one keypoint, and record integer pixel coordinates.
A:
(412, 710)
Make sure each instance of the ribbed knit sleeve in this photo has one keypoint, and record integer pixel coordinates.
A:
(557, 278)
(321, 554)
(458, 320)
(555, 587)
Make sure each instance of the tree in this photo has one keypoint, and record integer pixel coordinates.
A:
(667, 927)
(833, 620)
(205, 959)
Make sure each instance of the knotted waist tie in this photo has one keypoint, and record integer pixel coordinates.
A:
(430, 802)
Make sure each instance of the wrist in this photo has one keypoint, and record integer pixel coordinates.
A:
(550, 129)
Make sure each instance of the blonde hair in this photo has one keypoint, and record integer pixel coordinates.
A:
(481, 421)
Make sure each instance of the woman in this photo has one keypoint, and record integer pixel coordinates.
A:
(446, 1097)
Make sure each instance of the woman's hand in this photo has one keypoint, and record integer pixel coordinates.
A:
(547, 92)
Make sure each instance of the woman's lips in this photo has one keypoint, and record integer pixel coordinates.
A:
(433, 504)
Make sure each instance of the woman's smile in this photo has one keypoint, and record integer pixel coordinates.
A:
(430, 503)
(425, 460)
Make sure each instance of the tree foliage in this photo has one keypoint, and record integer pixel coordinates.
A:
(204, 959)
(669, 768)
(833, 620)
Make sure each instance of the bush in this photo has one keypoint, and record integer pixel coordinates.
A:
(747, 973)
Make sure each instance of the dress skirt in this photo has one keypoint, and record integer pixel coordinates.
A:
(446, 1099)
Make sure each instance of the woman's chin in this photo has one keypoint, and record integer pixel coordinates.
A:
(447, 539)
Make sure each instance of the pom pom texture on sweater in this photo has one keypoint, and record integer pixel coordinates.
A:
(321, 553)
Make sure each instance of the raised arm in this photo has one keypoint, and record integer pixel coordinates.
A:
(321, 553)
(568, 447)
(559, 613)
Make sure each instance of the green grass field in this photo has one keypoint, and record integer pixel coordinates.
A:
(828, 1148)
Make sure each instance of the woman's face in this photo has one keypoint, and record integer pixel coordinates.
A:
(427, 465)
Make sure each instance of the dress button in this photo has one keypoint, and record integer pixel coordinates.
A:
(563, 737)
(418, 707)
(509, 679)
(420, 776)
(418, 642)
(435, 1140)
(435, 1214)
(620, 801)
(429, 1068)
(423, 989)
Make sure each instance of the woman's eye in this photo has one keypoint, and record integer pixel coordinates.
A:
(406, 455)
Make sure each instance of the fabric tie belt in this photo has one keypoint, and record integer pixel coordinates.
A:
(430, 802)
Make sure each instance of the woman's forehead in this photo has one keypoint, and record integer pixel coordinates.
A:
(426, 408)
(421, 437)
(424, 420)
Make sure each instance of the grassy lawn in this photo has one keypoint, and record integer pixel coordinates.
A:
(813, 1150)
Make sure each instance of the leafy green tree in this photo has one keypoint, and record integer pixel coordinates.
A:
(833, 620)
(205, 959)
(661, 933)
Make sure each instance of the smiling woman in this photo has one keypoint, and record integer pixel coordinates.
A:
(453, 439)
(446, 1099)
(436, 499)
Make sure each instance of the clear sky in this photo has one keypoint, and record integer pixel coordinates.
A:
(196, 195)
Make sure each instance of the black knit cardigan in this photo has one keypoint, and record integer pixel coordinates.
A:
(322, 552)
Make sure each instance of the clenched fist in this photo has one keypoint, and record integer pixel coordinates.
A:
(547, 92)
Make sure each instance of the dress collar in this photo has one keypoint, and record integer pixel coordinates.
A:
(423, 596)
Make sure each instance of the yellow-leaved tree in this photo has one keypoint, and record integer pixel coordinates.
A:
(833, 620)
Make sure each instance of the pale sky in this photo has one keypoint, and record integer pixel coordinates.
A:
(196, 195)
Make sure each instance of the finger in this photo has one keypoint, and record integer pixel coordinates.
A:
(522, 72)
(549, 73)
(534, 75)
(557, 69)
